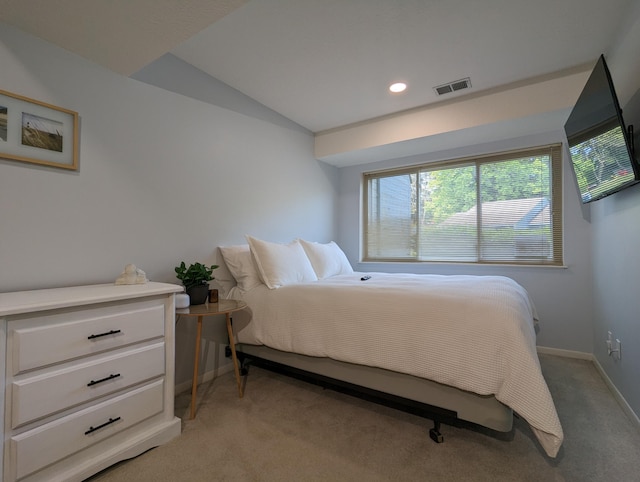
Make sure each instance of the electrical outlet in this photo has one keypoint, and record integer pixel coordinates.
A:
(618, 349)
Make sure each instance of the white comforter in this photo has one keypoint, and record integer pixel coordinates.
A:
(472, 332)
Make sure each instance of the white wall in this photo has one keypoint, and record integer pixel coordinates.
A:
(616, 239)
(162, 178)
(616, 282)
(562, 296)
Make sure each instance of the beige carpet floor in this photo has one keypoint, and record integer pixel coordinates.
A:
(287, 430)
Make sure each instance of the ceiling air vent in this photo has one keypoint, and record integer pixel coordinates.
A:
(453, 86)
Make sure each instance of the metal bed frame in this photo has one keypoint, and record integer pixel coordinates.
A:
(426, 398)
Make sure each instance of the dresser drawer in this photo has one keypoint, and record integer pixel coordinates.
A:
(55, 338)
(38, 396)
(33, 450)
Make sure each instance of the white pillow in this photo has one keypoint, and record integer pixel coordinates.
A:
(241, 266)
(281, 264)
(327, 259)
(223, 280)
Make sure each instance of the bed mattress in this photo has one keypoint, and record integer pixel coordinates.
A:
(475, 333)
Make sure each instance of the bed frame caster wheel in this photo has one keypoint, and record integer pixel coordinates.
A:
(435, 434)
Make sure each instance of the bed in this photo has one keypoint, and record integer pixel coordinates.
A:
(462, 345)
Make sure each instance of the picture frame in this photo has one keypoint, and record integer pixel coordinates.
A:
(38, 133)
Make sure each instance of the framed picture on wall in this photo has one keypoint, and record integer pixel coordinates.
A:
(38, 133)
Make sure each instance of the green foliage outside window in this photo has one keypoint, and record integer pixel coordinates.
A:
(494, 209)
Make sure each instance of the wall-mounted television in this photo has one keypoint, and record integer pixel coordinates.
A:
(601, 147)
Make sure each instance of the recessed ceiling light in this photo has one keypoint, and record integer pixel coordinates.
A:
(398, 87)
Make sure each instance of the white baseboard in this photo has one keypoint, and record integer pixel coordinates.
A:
(205, 377)
(626, 408)
(565, 353)
(617, 395)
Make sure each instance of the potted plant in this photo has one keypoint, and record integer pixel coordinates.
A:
(196, 279)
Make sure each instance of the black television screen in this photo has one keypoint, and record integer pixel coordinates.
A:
(599, 144)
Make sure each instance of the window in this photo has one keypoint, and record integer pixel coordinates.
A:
(503, 208)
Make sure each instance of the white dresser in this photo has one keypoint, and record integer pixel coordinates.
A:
(88, 378)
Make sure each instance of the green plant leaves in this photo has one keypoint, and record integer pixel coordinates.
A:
(195, 274)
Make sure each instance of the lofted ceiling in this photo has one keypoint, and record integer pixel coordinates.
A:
(327, 63)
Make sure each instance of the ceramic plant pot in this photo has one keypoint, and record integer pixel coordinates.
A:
(198, 294)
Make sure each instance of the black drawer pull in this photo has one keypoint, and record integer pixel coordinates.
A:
(93, 429)
(110, 377)
(112, 332)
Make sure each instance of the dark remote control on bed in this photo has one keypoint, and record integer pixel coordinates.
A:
(365, 278)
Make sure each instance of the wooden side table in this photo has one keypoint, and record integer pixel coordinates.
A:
(223, 307)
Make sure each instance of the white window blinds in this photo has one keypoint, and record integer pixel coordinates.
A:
(504, 208)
